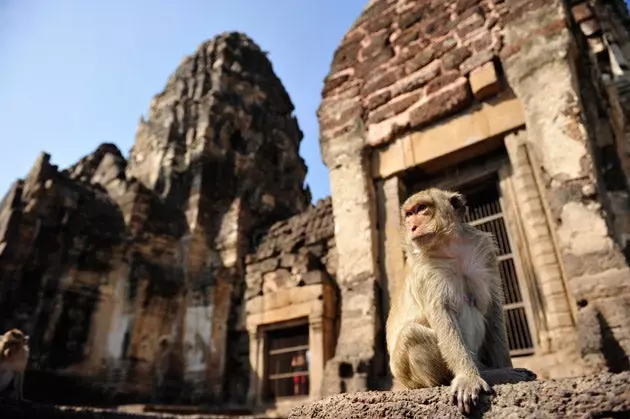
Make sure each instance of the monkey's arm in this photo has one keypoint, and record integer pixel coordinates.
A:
(450, 341)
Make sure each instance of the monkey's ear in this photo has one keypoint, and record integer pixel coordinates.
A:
(458, 202)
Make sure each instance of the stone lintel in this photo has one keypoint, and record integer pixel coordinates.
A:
(311, 301)
(284, 298)
(491, 119)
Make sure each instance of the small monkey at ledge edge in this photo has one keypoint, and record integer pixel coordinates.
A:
(14, 352)
(446, 323)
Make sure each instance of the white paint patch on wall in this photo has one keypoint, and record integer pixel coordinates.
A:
(582, 230)
(121, 322)
(197, 337)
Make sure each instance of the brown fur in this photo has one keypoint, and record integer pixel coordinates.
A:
(13, 359)
(446, 321)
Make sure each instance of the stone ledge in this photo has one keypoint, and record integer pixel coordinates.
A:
(40, 411)
(596, 396)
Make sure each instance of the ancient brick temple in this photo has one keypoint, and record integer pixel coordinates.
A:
(198, 272)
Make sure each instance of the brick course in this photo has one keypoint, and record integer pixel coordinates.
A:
(438, 42)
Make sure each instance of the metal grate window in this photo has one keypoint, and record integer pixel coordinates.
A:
(486, 214)
(287, 362)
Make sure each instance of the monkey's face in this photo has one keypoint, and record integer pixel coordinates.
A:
(16, 335)
(429, 217)
(13, 341)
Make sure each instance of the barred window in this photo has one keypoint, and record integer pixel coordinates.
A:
(287, 366)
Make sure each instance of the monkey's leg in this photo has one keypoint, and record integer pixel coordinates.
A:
(507, 375)
(416, 361)
(16, 393)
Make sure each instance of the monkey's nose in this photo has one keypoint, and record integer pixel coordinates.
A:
(413, 229)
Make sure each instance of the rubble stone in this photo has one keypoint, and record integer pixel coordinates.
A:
(604, 395)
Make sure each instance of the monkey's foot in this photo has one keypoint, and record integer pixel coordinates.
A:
(465, 391)
(507, 376)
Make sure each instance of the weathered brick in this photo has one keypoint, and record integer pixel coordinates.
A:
(454, 58)
(372, 65)
(444, 46)
(371, 13)
(411, 50)
(411, 17)
(421, 59)
(417, 79)
(380, 80)
(441, 105)
(377, 100)
(331, 84)
(475, 61)
(440, 25)
(377, 43)
(345, 56)
(381, 22)
(442, 81)
(470, 25)
(409, 35)
(393, 108)
(491, 21)
(463, 5)
(483, 42)
(467, 14)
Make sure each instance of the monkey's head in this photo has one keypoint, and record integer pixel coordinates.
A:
(430, 217)
(13, 341)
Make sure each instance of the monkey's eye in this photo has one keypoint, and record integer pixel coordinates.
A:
(421, 207)
(408, 214)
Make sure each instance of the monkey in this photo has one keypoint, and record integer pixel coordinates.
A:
(446, 322)
(14, 353)
(160, 366)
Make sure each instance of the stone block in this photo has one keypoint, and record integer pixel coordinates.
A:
(418, 79)
(313, 277)
(381, 79)
(431, 143)
(442, 104)
(394, 107)
(376, 100)
(453, 59)
(418, 61)
(276, 280)
(440, 82)
(590, 396)
(484, 81)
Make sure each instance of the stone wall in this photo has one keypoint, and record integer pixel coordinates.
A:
(291, 277)
(290, 250)
(424, 85)
(100, 260)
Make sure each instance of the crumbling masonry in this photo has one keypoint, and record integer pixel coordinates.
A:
(206, 234)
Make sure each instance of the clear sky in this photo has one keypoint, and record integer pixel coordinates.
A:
(74, 74)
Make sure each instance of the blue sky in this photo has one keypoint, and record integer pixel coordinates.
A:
(74, 74)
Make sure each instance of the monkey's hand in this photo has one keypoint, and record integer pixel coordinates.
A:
(465, 391)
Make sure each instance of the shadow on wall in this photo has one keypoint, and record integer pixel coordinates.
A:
(616, 358)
